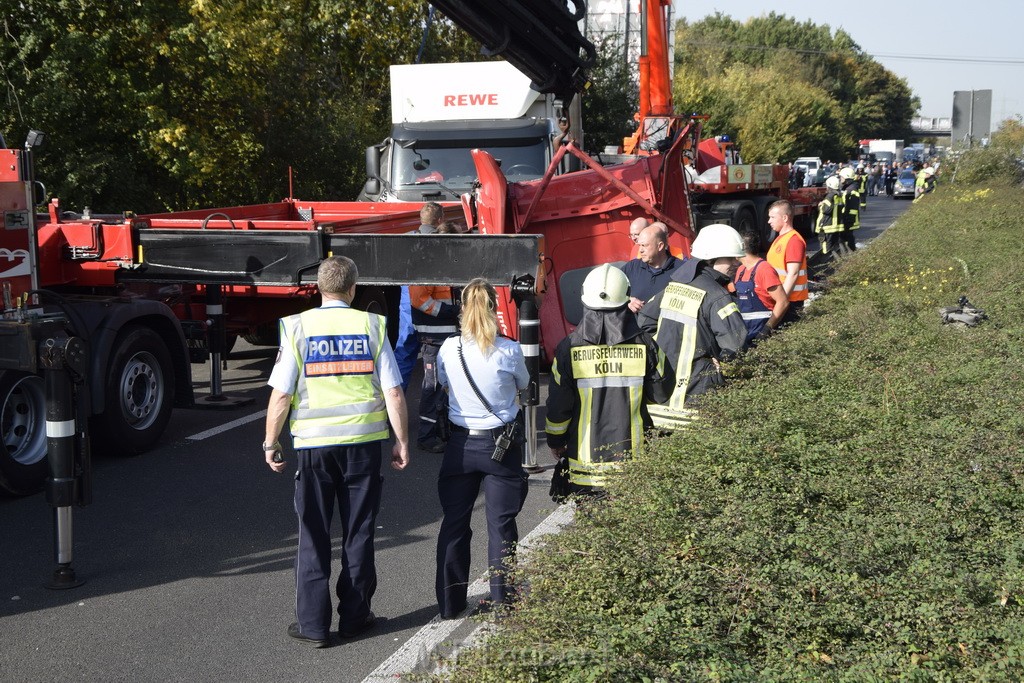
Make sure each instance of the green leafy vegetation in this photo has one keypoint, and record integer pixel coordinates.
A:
(849, 508)
(1002, 161)
(176, 105)
(786, 89)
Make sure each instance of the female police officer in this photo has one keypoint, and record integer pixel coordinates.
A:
(480, 416)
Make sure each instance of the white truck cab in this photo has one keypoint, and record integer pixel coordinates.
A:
(439, 112)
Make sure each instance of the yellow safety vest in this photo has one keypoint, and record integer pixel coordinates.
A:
(338, 398)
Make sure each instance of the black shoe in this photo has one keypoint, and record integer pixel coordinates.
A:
(294, 632)
(369, 622)
(435, 446)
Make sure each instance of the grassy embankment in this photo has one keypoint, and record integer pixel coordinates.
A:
(851, 507)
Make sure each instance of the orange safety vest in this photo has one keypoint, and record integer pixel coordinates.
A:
(777, 259)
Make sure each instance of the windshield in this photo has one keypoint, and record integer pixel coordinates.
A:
(452, 166)
(907, 176)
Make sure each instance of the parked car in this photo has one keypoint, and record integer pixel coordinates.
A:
(904, 185)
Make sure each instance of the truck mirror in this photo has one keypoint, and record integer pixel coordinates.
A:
(372, 162)
(372, 187)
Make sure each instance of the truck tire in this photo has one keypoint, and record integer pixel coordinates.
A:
(744, 221)
(139, 391)
(375, 300)
(23, 464)
(266, 334)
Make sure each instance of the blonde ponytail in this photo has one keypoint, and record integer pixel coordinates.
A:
(479, 314)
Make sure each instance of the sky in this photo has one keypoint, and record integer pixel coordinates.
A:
(912, 38)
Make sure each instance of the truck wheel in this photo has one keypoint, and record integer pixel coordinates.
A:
(743, 221)
(374, 300)
(266, 334)
(23, 465)
(139, 391)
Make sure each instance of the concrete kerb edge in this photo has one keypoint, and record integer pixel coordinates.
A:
(447, 637)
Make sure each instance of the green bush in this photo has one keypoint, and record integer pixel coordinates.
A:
(985, 165)
(849, 508)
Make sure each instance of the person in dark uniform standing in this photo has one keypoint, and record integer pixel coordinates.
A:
(697, 323)
(603, 375)
(336, 374)
(482, 374)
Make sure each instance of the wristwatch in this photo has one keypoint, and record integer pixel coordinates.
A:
(276, 446)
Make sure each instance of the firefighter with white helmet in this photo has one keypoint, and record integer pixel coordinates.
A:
(602, 376)
(697, 322)
(852, 198)
(830, 225)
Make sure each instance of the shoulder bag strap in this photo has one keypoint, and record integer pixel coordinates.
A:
(476, 389)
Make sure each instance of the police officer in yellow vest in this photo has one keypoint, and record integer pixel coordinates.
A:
(336, 374)
(601, 377)
(697, 322)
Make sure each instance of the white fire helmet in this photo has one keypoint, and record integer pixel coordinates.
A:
(717, 241)
(846, 173)
(605, 288)
(832, 182)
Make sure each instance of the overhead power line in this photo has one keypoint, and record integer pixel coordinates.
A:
(805, 51)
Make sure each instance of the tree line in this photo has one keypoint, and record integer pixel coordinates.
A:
(179, 104)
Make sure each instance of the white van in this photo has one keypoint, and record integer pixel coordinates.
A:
(812, 170)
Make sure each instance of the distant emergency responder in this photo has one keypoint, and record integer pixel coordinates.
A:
(651, 271)
(696, 322)
(602, 376)
(852, 198)
(483, 373)
(408, 348)
(336, 374)
(435, 316)
(788, 256)
(759, 293)
(829, 225)
(924, 182)
(862, 187)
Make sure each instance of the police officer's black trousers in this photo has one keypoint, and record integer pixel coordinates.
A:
(351, 475)
(467, 466)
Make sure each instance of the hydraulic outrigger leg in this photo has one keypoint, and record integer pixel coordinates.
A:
(63, 360)
(529, 340)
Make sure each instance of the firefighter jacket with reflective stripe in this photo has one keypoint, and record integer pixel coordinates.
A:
(601, 377)
(434, 314)
(777, 259)
(862, 188)
(830, 213)
(338, 398)
(696, 321)
(851, 204)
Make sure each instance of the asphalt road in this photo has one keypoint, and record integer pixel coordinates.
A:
(187, 554)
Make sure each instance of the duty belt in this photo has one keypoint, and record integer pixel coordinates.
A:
(493, 432)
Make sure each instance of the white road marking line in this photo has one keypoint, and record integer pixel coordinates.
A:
(227, 426)
(417, 650)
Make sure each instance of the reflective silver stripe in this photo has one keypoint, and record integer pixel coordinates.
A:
(531, 349)
(781, 273)
(610, 382)
(303, 412)
(758, 315)
(798, 288)
(678, 317)
(341, 430)
(214, 309)
(529, 323)
(436, 329)
(60, 430)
